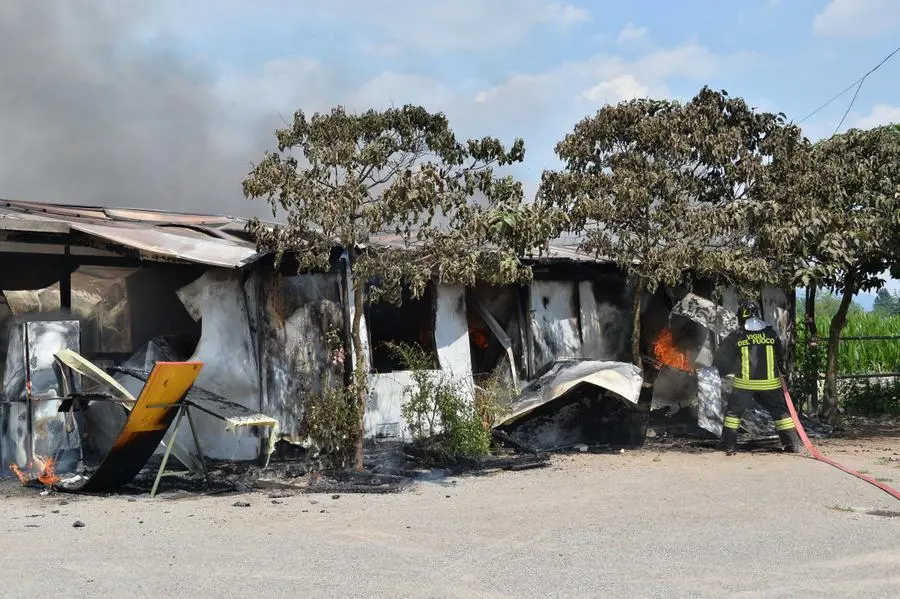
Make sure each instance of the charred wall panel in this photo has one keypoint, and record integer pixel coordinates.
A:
(39, 429)
(297, 315)
(554, 321)
(605, 319)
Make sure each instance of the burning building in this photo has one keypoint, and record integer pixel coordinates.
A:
(128, 288)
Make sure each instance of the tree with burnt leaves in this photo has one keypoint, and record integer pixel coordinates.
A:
(651, 184)
(841, 229)
(343, 179)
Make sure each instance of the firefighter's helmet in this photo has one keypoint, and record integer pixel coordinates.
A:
(748, 310)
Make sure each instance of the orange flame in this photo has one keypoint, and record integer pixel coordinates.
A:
(478, 337)
(667, 352)
(15, 470)
(45, 471)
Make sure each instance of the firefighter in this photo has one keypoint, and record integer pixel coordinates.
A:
(754, 355)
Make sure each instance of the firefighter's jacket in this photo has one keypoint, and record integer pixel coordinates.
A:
(754, 355)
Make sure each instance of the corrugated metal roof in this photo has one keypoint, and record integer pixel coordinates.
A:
(202, 239)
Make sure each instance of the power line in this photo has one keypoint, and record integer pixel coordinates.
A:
(846, 112)
(857, 84)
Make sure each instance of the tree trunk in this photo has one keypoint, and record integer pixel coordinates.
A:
(811, 332)
(829, 411)
(636, 325)
(360, 374)
(812, 344)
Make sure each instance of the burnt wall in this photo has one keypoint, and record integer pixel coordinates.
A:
(298, 316)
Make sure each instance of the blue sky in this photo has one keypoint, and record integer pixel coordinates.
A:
(166, 104)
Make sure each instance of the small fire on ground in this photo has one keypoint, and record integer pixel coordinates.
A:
(41, 469)
(666, 352)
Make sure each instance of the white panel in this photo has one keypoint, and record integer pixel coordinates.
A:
(452, 335)
(554, 321)
(227, 351)
(383, 416)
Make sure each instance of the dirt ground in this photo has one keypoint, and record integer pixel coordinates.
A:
(664, 521)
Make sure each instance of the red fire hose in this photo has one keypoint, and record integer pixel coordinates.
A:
(818, 456)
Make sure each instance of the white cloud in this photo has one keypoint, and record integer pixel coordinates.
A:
(632, 32)
(881, 114)
(467, 25)
(849, 18)
(566, 14)
(423, 25)
(623, 87)
(394, 89)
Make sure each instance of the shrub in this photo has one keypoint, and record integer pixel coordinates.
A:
(872, 398)
(437, 412)
(331, 417)
(332, 424)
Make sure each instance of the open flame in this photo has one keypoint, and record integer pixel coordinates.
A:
(667, 352)
(15, 470)
(41, 469)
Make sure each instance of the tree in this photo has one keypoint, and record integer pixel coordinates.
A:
(645, 183)
(341, 179)
(826, 306)
(886, 303)
(839, 230)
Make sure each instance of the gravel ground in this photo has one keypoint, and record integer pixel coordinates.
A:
(650, 523)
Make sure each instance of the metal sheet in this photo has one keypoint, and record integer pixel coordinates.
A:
(776, 307)
(214, 252)
(605, 311)
(554, 322)
(714, 318)
(85, 368)
(147, 424)
(32, 424)
(622, 379)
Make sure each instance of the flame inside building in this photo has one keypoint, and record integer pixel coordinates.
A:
(667, 352)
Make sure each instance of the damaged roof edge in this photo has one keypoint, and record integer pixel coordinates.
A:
(212, 240)
(212, 252)
(154, 235)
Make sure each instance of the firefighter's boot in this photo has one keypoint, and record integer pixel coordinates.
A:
(790, 440)
(730, 434)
